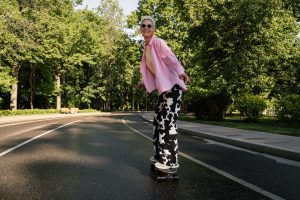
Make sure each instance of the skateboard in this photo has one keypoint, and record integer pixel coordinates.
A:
(160, 175)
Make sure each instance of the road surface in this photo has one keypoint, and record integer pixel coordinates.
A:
(107, 157)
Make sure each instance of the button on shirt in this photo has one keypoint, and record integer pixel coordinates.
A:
(165, 65)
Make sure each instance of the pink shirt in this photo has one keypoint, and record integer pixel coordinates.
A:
(166, 67)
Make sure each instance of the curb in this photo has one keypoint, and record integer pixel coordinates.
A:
(262, 148)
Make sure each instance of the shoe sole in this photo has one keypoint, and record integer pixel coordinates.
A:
(161, 175)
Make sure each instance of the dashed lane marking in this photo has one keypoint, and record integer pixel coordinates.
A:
(31, 121)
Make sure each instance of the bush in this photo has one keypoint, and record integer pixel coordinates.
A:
(212, 107)
(288, 107)
(250, 106)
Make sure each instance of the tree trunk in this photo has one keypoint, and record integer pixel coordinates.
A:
(132, 103)
(126, 99)
(32, 85)
(107, 103)
(58, 92)
(14, 89)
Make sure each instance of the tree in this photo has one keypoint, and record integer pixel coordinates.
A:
(61, 53)
(16, 43)
(233, 41)
(112, 17)
(293, 6)
(5, 71)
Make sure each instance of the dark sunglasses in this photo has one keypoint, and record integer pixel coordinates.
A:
(146, 25)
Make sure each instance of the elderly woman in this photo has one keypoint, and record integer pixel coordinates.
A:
(162, 71)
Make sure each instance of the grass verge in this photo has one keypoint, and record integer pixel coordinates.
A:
(4, 113)
(27, 112)
(265, 124)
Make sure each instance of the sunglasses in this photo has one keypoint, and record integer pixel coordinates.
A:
(146, 25)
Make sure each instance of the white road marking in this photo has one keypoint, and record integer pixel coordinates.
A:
(24, 131)
(26, 122)
(275, 158)
(30, 140)
(229, 176)
(51, 118)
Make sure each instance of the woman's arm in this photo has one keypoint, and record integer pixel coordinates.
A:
(169, 57)
(171, 61)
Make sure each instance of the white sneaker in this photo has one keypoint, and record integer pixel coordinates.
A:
(161, 166)
(153, 159)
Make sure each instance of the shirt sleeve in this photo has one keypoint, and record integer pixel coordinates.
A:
(169, 58)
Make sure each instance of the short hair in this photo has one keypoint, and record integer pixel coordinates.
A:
(148, 18)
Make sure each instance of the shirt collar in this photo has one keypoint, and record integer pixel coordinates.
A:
(151, 40)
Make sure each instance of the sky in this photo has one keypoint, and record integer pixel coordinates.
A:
(127, 5)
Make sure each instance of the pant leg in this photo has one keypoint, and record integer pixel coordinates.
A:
(169, 106)
(156, 129)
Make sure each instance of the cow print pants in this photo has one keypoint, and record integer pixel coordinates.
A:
(165, 128)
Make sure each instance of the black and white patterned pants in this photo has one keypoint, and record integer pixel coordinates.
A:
(165, 128)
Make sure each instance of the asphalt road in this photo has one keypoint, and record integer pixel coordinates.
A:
(107, 157)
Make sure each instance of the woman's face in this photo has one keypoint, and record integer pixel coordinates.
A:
(147, 28)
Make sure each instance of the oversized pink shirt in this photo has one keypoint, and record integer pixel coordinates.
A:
(166, 66)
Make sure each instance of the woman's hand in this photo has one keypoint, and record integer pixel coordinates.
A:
(184, 77)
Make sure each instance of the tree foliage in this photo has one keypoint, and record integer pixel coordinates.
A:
(236, 41)
(63, 52)
(241, 47)
(52, 54)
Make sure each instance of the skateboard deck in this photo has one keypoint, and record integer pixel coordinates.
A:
(161, 175)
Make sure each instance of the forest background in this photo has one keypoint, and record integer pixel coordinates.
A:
(241, 55)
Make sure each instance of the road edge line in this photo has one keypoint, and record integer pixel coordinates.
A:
(36, 137)
(212, 168)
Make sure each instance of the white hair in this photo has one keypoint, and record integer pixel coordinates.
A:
(148, 18)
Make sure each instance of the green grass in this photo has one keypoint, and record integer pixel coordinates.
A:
(37, 112)
(266, 124)
(27, 112)
(88, 111)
